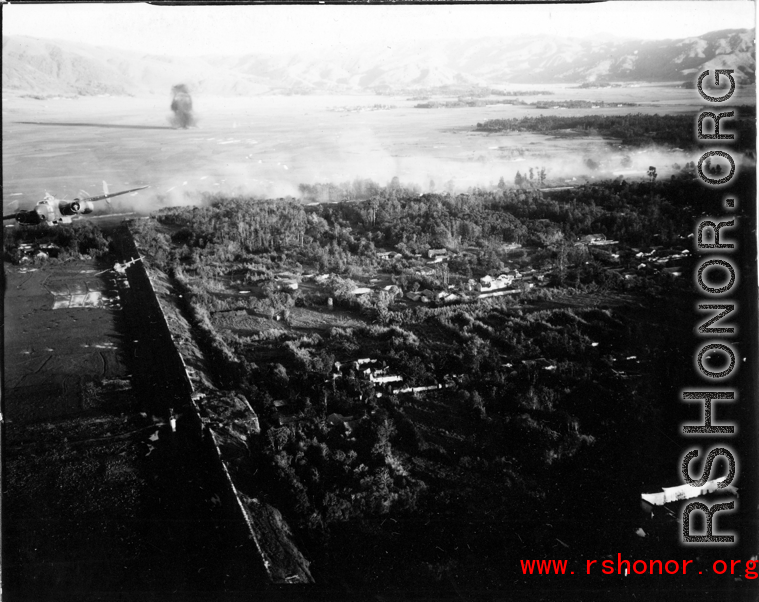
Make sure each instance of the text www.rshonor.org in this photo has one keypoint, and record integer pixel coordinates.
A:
(622, 566)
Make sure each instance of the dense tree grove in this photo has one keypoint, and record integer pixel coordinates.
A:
(529, 389)
(519, 412)
(637, 129)
(346, 236)
(523, 412)
(61, 242)
(460, 90)
(581, 104)
(466, 102)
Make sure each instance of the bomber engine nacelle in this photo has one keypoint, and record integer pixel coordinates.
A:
(76, 207)
(29, 218)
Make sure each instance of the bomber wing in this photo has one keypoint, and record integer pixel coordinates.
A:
(112, 194)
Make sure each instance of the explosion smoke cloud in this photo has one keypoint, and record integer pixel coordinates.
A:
(181, 106)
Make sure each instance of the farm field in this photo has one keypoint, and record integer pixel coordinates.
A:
(96, 483)
(44, 371)
(67, 392)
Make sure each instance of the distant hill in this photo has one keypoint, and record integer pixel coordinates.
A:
(57, 67)
(61, 67)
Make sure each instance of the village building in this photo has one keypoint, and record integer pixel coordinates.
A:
(366, 369)
(361, 290)
(597, 239)
(347, 422)
(394, 290)
(489, 284)
(674, 271)
(288, 285)
(433, 253)
(382, 379)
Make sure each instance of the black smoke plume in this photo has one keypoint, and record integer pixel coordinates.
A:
(181, 106)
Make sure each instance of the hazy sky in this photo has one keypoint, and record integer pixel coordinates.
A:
(233, 30)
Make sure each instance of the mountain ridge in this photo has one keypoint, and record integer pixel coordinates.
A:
(60, 67)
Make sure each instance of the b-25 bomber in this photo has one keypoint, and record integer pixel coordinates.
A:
(52, 211)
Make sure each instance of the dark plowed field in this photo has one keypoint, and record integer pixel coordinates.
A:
(100, 499)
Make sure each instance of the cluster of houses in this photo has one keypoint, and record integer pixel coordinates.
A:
(434, 255)
(388, 255)
(361, 109)
(430, 296)
(656, 260)
(471, 290)
(366, 368)
(487, 286)
(369, 370)
(27, 252)
(640, 263)
(378, 374)
(286, 281)
(596, 240)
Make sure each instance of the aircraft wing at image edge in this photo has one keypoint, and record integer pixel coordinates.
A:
(52, 211)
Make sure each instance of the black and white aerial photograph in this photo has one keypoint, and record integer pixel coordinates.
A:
(384, 302)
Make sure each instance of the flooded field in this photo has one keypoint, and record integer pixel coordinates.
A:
(269, 145)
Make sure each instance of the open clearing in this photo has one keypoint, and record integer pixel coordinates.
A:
(50, 355)
(96, 486)
(74, 444)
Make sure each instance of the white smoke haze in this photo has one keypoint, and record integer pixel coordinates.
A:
(265, 147)
(281, 178)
